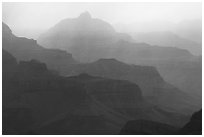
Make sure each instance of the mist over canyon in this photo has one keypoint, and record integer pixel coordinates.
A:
(86, 76)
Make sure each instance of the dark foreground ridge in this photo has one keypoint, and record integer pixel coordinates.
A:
(144, 127)
(194, 126)
(38, 101)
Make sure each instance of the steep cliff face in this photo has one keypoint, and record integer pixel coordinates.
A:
(27, 49)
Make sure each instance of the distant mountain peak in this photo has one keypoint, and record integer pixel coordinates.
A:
(85, 15)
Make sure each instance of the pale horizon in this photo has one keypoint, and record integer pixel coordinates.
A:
(42, 16)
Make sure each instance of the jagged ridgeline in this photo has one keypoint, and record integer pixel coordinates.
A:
(99, 40)
(41, 102)
(94, 80)
(27, 49)
(167, 52)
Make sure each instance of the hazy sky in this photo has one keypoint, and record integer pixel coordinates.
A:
(45, 15)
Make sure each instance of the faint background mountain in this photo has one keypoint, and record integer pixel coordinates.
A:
(82, 30)
(188, 29)
(99, 40)
(168, 39)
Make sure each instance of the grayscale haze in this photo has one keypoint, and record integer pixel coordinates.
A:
(102, 69)
(30, 19)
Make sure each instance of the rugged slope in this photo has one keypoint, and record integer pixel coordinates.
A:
(30, 79)
(30, 90)
(154, 88)
(36, 101)
(146, 76)
(27, 49)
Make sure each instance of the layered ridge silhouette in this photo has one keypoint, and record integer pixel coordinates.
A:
(99, 40)
(89, 44)
(83, 104)
(46, 90)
